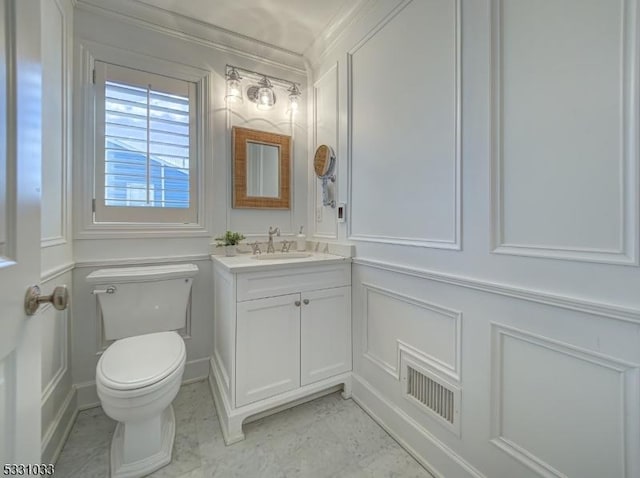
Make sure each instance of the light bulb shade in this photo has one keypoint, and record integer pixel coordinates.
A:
(234, 87)
(266, 98)
(294, 98)
(234, 91)
(294, 103)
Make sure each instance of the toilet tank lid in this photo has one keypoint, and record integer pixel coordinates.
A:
(142, 273)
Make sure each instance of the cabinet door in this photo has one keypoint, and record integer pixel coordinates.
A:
(325, 334)
(268, 348)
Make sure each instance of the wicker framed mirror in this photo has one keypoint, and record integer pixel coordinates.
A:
(261, 169)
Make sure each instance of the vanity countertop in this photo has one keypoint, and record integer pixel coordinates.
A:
(248, 263)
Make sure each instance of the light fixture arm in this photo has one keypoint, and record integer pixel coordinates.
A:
(289, 85)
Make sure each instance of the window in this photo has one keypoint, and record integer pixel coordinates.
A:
(145, 147)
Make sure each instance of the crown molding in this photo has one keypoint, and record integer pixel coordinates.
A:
(196, 31)
(335, 30)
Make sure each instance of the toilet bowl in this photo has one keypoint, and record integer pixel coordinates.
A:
(139, 374)
(137, 379)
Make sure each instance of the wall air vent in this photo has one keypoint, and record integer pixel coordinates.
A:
(431, 394)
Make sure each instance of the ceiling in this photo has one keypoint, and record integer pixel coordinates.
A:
(288, 24)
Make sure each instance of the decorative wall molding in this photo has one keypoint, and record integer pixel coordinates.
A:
(51, 274)
(330, 74)
(455, 242)
(599, 309)
(63, 317)
(627, 252)
(348, 15)
(450, 370)
(65, 123)
(629, 383)
(194, 31)
(56, 434)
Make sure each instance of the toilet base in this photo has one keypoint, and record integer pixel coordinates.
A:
(134, 462)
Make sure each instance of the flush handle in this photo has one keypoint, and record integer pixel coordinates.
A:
(32, 299)
(109, 290)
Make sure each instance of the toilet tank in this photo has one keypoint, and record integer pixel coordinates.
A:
(142, 300)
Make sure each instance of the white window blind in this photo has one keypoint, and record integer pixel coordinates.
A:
(146, 167)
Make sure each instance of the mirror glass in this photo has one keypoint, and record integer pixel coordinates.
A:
(263, 165)
(261, 169)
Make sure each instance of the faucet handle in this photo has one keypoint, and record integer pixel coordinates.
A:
(286, 245)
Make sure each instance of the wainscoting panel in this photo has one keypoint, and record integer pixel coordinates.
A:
(58, 395)
(405, 128)
(563, 411)
(565, 119)
(55, 121)
(54, 346)
(544, 385)
(433, 330)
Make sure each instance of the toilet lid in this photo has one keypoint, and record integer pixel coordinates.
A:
(136, 362)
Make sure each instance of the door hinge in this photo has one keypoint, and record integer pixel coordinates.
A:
(93, 205)
(94, 76)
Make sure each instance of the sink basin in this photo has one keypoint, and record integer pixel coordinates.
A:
(281, 256)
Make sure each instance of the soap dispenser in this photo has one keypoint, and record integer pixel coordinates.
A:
(301, 240)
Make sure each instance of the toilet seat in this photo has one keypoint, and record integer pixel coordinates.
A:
(141, 361)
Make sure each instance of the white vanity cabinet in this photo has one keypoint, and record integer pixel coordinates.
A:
(282, 332)
(267, 348)
(325, 334)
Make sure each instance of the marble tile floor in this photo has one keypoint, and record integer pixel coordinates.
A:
(327, 437)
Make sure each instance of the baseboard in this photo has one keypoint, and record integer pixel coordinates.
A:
(440, 460)
(194, 371)
(56, 436)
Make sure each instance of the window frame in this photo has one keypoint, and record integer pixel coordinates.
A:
(87, 54)
(130, 214)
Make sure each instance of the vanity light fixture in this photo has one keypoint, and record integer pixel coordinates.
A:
(234, 87)
(262, 91)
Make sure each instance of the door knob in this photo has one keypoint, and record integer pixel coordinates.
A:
(297, 303)
(32, 299)
(305, 301)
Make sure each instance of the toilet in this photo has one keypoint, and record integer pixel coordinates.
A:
(139, 374)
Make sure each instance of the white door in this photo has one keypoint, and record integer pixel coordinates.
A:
(268, 347)
(20, 131)
(325, 334)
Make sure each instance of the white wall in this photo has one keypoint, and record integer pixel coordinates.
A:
(135, 33)
(488, 153)
(56, 252)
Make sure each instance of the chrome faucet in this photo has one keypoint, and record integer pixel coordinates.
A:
(272, 231)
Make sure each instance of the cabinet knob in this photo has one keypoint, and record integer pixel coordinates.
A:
(306, 301)
(297, 302)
